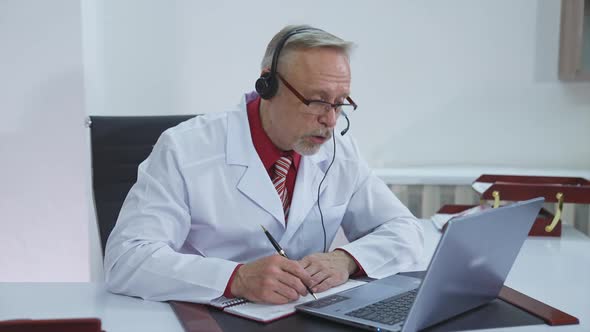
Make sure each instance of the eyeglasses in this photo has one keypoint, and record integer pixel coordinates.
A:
(319, 107)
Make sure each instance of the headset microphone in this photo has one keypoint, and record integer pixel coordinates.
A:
(347, 125)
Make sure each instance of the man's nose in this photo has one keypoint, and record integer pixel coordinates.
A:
(330, 118)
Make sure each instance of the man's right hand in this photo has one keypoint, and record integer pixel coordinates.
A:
(273, 279)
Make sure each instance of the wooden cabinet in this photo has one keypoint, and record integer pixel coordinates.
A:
(574, 50)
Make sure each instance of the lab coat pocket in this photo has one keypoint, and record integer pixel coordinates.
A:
(312, 235)
(332, 214)
(332, 217)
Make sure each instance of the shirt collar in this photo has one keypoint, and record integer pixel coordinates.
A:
(267, 151)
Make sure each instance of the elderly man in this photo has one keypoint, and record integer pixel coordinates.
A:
(190, 227)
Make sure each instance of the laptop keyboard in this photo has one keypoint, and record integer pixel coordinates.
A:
(389, 311)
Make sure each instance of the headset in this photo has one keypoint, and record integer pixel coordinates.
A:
(268, 84)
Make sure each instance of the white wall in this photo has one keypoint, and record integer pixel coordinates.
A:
(43, 147)
(451, 83)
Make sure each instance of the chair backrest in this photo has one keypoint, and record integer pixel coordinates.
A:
(119, 145)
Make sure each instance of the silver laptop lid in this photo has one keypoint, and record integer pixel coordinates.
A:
(471, 262)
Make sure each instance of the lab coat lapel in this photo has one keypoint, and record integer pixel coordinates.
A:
(310, 174)
(255, 182)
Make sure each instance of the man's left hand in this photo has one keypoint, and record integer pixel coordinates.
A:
(328, 270)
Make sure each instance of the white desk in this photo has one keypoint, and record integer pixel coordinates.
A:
(553, 270)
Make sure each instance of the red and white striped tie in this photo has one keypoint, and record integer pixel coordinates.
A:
(279, 180)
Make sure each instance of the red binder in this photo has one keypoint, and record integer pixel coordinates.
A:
(51, 325)
(518, 188)
(544, 219)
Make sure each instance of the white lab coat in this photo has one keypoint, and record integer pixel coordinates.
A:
(201, 196)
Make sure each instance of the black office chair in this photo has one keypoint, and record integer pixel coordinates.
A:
(119, 145)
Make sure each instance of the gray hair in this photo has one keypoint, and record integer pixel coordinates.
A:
(307, 39)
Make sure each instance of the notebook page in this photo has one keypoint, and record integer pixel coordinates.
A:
(269, 312)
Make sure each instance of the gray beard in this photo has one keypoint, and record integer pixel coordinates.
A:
(305, 148)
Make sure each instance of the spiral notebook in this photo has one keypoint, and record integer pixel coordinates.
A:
(267, 313)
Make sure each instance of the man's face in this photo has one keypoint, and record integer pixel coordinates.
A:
(318, 74)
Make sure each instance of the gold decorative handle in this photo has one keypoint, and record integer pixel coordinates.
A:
(496, 195)
(550, 228)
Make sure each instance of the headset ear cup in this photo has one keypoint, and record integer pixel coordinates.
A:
(266, 86)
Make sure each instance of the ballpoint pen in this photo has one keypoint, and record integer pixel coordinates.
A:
(282, 253)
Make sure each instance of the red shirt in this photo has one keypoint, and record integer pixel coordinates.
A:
(267, 151)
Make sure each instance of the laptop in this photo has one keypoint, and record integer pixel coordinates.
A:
(467, 270)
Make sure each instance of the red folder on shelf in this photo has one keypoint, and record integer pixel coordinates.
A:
(519, 187)
(544, 219)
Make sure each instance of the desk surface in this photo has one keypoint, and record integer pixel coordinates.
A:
(553, 270)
